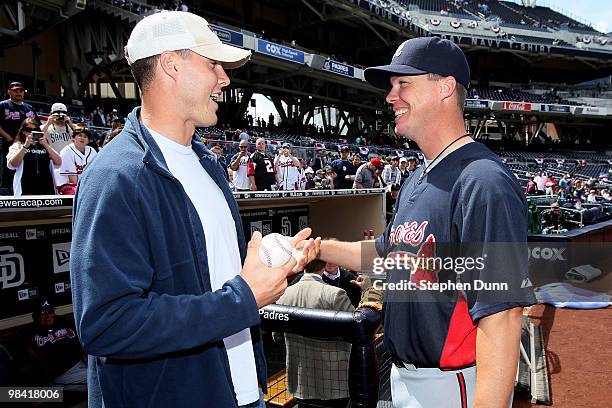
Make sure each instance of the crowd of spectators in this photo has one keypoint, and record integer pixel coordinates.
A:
(574, 201)
(47, 154)
(516, 95)
(142, 8)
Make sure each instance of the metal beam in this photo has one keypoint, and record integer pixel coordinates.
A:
(20, 16)
(10, 15)
(375, 31)
(6, 31)
(311, 8)
(111, 82)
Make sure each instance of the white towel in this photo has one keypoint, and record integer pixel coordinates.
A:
(582, 273)
(566, 295)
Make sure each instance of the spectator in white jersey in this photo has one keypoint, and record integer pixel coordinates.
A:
(391, 174)
(287, 168)
(76, 156)
(239, 164)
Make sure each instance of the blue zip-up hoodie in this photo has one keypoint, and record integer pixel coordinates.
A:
(143, 305)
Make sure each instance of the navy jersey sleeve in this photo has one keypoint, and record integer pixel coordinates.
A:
(491, 222)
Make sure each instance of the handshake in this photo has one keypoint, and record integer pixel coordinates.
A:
(272, 259)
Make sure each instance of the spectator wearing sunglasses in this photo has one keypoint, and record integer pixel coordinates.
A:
(32, 157)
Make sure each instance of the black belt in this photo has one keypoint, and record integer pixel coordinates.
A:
(402, 364)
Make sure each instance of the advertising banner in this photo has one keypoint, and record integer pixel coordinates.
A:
(339, 68)
(476, 104)
(34, 262)
(286, 220)
(280, 51)
(228, 36)
(555, 108)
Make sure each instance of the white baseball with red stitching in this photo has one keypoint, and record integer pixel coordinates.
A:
(275, 250)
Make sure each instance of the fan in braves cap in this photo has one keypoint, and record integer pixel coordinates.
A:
(458, 347)
(167, 308)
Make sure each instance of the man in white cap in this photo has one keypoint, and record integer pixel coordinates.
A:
(59, 128)
(165, 294)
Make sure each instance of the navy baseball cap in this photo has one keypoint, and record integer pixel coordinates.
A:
(423, 55)
(15, 85)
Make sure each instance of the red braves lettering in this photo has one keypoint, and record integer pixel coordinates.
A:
(408, 233)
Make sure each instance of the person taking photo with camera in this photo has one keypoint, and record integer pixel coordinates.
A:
(59, 127)
(32, 157)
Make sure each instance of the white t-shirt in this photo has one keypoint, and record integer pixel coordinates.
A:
(241, 180)
(13, 150)
(73, 163)
(222, 251)
(287, 173)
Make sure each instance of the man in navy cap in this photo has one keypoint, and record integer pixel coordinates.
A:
(12, 113)
(458, 346)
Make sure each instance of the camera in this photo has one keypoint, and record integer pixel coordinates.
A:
(60, 116)
(37, 135)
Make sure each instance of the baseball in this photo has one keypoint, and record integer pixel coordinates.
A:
(274, 250)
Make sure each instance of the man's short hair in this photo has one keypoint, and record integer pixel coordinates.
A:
(143, 70)
(460, 91)
(314, 266)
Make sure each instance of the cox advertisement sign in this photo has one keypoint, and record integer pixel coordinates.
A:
(280, 51)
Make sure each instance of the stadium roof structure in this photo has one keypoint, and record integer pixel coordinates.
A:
(311, 53)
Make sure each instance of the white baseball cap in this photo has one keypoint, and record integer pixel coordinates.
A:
(180, 30)
(58, 107)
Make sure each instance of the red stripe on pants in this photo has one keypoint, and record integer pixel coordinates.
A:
(462, 390)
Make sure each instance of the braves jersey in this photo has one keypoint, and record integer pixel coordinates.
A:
(468, 206)
(261, 166)
(12, 115)
(55, 349)
(342, 169)
(241, 179)
(288, 173)
(74, 162)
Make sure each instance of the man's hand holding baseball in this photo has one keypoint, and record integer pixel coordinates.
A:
(267, 284)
